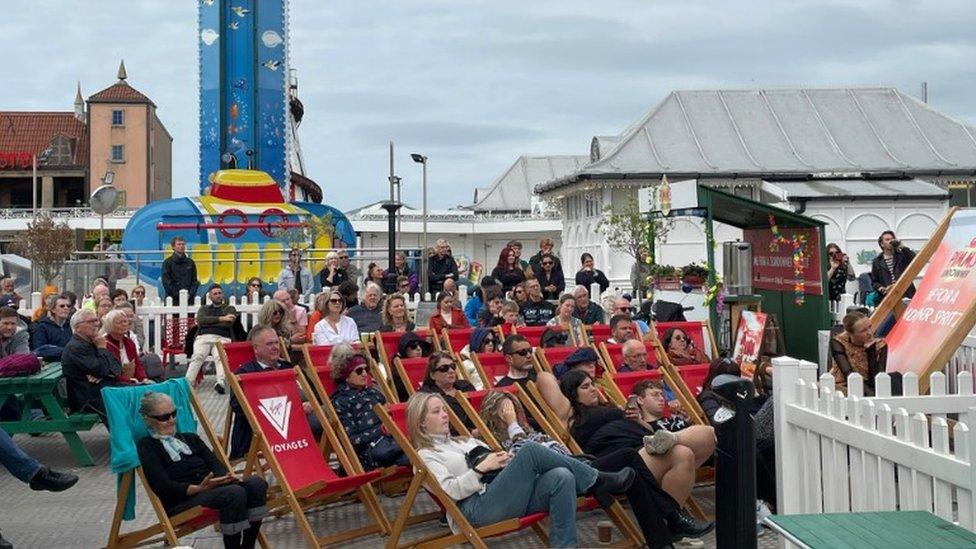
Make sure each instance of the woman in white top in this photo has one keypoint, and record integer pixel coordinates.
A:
(335, 327)
(535, 479)
(564, 319)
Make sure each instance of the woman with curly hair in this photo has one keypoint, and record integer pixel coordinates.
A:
(273, 314)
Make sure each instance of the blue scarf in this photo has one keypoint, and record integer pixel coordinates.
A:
(173, 446)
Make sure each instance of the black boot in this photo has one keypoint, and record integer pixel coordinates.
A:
(52, 481)
(609, 484)
(232, 541)
(683, 525)
(4, 544)
(250, 536)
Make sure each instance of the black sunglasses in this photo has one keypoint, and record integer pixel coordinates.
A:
(359, 371)
(414, 345)
(163, 417)
(521, 352)
(335, 301)
(255, 284)
(444, 368)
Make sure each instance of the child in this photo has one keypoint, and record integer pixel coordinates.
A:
(511, 318)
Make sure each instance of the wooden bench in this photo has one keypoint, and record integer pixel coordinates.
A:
(888, 529)
(40, 390)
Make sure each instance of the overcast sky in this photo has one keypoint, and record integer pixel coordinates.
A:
(474, 84)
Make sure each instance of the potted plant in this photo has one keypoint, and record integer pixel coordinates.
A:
(664, 275)
(694, 274)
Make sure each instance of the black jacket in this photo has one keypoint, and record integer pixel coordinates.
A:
(508, 277)
(179, 273)
(80, 359)
(881, 276)
(438, 269)
(535, 263)
(586, 278)
(240, 431)
(339, 277)
(554, 278)
(170, 479)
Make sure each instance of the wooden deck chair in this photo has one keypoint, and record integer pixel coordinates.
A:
(394, 420)
(620, 385)
(455, 340)
(548, 358)
(273, 407)
(318, 355)
(167, 529)
(700, 333)
(597, 333)
(411, 372)
(612, 354)
(471, 403)
(532, 334)
(490, 366)
(393, 479)
(232, 357)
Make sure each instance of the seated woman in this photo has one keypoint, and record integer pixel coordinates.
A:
(273, 314)
(506, 419)
(535, 479)
(483, 340)
(353, 400)
(681, 350)
(116, 325)
(651, 405)
(564, 319)
(441, 378)
(601, 429)
(491, 314)
(395, 317)
(856, 350)
(447, 314)
(410, 345)
(335, 327)
(184, 473)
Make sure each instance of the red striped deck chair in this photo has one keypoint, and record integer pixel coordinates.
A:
(232, 357)
(597, 333)
(532, 334)
(490, 366)
(455, 340)
(394, 420)
(700, 333)
(273, 407)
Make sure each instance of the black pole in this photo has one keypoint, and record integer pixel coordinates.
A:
(389, 282)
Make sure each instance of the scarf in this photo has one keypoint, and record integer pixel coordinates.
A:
(173, 446)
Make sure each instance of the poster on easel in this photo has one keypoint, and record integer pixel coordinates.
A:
(748, 342)
(943, 309)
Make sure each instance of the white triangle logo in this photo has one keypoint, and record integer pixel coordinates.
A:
(277, 410)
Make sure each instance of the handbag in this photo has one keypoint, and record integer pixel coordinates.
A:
(475, 456)
(385, 451)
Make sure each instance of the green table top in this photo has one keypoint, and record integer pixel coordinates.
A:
(42, 381)
(881, 530)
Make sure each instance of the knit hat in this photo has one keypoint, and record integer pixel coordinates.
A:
(582, 355)
(350, 365)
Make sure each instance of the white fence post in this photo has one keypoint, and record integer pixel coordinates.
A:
(786, 376)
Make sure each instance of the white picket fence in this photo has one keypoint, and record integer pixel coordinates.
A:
(837, 453)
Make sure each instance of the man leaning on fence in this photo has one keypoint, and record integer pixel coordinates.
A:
(216, 324)
(179, 272)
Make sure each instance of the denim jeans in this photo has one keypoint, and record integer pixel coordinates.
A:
(15, 460)
(537, 479)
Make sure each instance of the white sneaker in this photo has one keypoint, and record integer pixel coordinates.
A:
(660, 442)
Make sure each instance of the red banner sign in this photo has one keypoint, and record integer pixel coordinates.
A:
(16, 160)
(773, 269)
(944, 296)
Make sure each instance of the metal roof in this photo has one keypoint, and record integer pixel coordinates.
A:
(826, 189)
(513, 190)
(786, 131)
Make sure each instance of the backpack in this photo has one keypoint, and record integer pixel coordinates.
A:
(21, 364)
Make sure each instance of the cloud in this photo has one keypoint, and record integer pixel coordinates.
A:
(442, 134)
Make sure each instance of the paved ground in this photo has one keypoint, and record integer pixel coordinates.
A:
(81, 516)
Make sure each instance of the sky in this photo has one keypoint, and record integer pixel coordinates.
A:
(474, 84)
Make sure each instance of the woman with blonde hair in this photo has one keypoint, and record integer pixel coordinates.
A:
(491, 487)
(395, 317)
(273, 314)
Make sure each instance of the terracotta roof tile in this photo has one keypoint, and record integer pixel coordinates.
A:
(33, 132)
(120, 92)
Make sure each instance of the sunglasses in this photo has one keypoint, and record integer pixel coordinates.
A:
(444, 368)
(163, 417)
(335, 301)
(359, 371)
(521, 352)
(343, 257)
(547, 264)
(255, 284)
(679, 338)
(625, 309)
(413, 345)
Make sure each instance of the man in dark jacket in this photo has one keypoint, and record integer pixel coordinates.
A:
(267, 356)
(179, 272)
(53, 331)
(441, 267)
(889, 265)
(367, 314)
(587, 311)
(215, 323)
(88, 366)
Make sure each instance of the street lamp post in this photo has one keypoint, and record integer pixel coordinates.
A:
(421, 159)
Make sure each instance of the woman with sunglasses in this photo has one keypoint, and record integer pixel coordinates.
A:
(273, 314)
(394, 315)
(441, 378)
(335, 327)
(353, 400)
(550, 280)
(483, 340)
(681, 350)
(253, 291)
(183, 472)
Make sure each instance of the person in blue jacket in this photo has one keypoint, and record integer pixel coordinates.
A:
(477, 299)
(52, 332)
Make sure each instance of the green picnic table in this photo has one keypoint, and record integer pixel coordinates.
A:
(40, 390)
(882, 530)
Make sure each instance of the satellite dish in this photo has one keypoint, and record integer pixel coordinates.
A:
(104, 200)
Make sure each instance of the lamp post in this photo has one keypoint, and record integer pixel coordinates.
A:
(421, 159)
